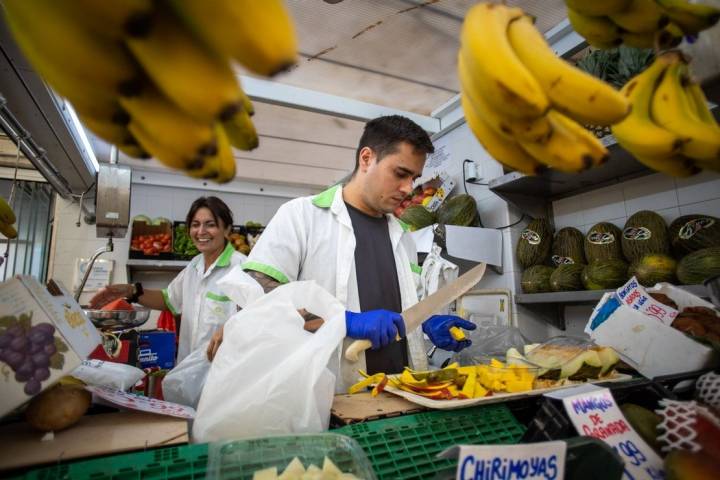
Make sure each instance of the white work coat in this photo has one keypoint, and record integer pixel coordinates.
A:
(312, 238)
(194, 294)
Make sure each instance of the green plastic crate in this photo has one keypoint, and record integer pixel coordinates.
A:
(405, 447)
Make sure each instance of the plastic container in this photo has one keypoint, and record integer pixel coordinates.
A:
(406, 447)
(241, 458)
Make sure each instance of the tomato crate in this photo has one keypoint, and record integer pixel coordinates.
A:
(406, 447)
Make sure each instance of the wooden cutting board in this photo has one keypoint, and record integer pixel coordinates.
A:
(363, 407)
(101, 434)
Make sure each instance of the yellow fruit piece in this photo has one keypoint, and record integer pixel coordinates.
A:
(457, 334)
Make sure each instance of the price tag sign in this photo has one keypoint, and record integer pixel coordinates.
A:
(123, 399)
(545, 461)
(594, 413)
(636, 297)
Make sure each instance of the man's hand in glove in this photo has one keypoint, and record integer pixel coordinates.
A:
(438, 328)
(379, 326)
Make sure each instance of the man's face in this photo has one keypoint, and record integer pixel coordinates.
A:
(389, 181)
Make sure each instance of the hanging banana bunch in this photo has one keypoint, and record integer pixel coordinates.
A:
(670, 128)
(155, 77)
(7, 220)
(522, 102)
(639, 23)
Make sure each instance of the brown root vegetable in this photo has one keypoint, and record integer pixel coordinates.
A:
(58, 408)
(706, 311)
(664, 299)
(689, 324)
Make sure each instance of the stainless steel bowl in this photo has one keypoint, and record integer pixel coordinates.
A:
(118, 319)
(713, 288)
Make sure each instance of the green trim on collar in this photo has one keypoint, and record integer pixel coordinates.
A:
(415, 268)
(405, 226)
(271, 272)
(216, 297)
(166, 299)
(224, 258)
(325, 199)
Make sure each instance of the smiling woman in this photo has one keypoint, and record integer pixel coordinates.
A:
(194, 293)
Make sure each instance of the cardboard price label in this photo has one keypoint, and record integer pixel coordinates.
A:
(594, 413)
(636, 297)
(542, 461)
(123, 399)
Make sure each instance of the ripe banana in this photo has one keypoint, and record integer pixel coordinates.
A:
(185, 70)
(637, 133)
(113, 133)
(578, 94)
(241, 131)
(674, 165)
(259, 35)
(52, 39)
(564, 150)
(532, 130)
(6, 213)
(226, 159)
(673, 110)
(494, 69)
(702, 109)
(168, 124)
(595, 8)
(600, 154)
(112, 19)
(246, 103)
(691, 17)
(163, 154)
(600, 32)
(8, 230)
(641, 16)
(500, 148)
(638, 40)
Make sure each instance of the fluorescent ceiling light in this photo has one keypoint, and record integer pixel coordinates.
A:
(83, 138)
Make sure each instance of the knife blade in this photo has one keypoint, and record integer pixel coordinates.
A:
(424, 309)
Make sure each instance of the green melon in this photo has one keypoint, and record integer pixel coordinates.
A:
(536, 279)
(654, 268)
(698, 266)
(644, 232)
(567, 247)
(533, 247)
(602, 242)
(418, 216)
(459, 210)
(690, 233)
(605, 274)
(567, 277)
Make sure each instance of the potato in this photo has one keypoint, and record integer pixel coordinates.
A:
(58, 408)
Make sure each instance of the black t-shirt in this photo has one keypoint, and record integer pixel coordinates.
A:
(378, 286)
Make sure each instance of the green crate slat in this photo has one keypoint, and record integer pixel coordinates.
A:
(187, 462)
(404, 448)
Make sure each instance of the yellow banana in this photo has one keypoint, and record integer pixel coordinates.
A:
(188, 73)
(500, 148)
(494, 69)
(241, 131)
(691, 17)
(600, 154)
(246, 103)
(578, 94)
(160, 152)
(597, 8)
(52, 38)
(673, 110)
(8, 230)
(641, 16)
(564, 150)
(700, 102)
(600, 32)
(674, 165)
(168, 124)
(259, 35)
(638, 39)
(637, 133)
(226, 159)
(113, 133)
(6, 213)
(532, 130)
(112, 18)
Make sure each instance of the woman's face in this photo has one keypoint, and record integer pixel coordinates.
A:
(207, 234)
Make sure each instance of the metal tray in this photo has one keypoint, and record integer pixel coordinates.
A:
(118, 319)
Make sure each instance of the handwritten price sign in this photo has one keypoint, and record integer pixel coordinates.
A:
(144, 404)
(595, 413)
(634, 295)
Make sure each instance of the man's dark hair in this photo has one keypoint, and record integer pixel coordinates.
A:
(220, 211)
(383, 134)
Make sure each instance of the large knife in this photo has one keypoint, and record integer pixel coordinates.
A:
(430, 305)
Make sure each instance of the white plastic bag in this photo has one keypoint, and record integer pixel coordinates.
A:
(100, 373)
(270, 376)
(436, 272)
(184, 383)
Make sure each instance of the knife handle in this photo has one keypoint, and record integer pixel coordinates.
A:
(353, 352)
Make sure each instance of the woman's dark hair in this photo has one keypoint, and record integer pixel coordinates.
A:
(220, 211)
(383, 134)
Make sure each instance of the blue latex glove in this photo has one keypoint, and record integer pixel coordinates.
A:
(438, 327)
(379, 326)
